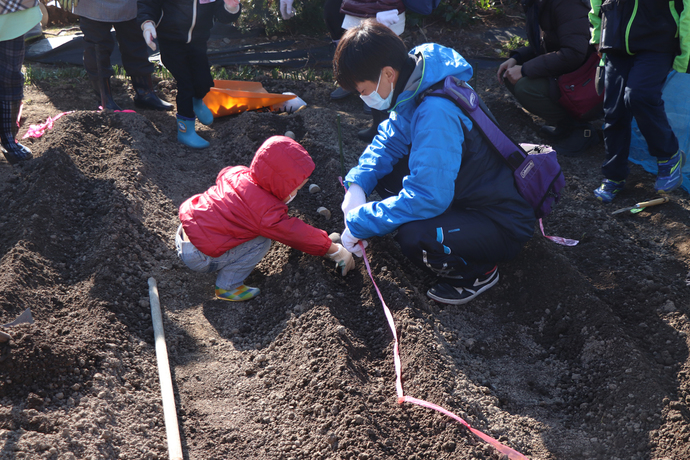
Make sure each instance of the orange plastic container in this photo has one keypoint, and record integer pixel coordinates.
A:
(230, 97)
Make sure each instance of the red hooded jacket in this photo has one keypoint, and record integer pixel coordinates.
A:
(248, 202)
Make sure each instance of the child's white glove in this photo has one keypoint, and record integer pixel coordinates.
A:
(286, 10)
(232, 6)
(354, 198)
(351, 243)
(149, 34)
(343, 259)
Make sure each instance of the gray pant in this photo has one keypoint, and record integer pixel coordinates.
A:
(233, 266)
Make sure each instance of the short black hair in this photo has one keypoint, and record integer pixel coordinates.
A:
(363, 51)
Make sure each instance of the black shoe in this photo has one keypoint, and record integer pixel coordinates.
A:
(368, 134)
(554, 132)
(445, 293)
(16, 155)
(578, 141)
(146, 96)
(366, 108)
(339, 93)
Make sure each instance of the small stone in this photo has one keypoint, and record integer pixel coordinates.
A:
(335, 237)
(313, 188)
(324, 212)
(290, 134)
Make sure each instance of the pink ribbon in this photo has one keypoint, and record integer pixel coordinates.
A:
(512, 454)
(557, 239)
(39, 130)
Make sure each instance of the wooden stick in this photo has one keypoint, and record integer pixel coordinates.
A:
(169, 412)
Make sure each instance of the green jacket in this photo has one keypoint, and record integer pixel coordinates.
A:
(642, 27)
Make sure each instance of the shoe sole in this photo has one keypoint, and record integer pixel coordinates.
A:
(465, 300)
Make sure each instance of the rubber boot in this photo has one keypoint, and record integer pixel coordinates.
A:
(146, 97)
(13, 151)
(368, 134)
(186, 133)
(105, 92)
(582, 137)
(202, 112)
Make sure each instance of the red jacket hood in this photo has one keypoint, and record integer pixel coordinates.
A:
(280, 166)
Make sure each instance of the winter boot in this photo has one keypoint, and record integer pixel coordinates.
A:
(202, 112)
(561, 130)
(582, 137)
(368, 134)
(146, 97)
(13, 151)
(102, 88)
(186, 133)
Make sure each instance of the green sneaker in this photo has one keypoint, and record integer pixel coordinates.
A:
(670, 175)
(238, 294)
(608, 190)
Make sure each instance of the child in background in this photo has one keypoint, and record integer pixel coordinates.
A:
(183, 27)
(229, 228)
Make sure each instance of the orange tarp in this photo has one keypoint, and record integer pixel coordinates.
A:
(229, 97)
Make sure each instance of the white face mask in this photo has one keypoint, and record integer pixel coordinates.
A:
(374, 100)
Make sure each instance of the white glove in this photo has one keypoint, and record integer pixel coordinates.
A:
(354, 198)
(232, 6)
(351, 243)
(149, 34)
(387, 18)
(343, 259)
(286, 10)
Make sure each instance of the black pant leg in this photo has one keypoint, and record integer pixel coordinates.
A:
(98, 46)
(175, 59)
(333, 18)
(133, 48)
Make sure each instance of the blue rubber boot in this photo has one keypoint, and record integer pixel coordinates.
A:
(202, 112)
(187, 135)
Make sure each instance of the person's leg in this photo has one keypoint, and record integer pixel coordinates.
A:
(135, 60)
(617, 118)
(98, 46)
(462, 248)
(11, 94)
(202, 81)
(333, 19)
(175, 57)
(534, 95)
(391, 184)
(235, 265)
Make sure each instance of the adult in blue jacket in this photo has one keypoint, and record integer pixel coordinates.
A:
(451, 199)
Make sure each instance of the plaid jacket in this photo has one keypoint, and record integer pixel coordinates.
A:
(10, 6)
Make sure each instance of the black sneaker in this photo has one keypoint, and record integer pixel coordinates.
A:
(445, 293)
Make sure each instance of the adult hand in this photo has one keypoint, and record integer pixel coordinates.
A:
(351, 243)
(514, 74)
(342, 258)
(503, 67)
(286, 10)
(354, 198)
(387, 18)
(232, 6)
(149, 34)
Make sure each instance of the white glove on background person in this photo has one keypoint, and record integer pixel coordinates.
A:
(149, 34)
(387, 18)
(232, 6)
(351, 243)
(286, 10)
(343, 259)
(354, 198)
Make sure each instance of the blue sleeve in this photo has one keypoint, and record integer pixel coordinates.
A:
(434, 139)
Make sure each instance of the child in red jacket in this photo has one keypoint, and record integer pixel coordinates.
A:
(229, 228)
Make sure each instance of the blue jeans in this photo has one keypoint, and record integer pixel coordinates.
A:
(233, 266)
(633, 89)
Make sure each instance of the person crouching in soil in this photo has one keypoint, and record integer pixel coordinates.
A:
(183, 27)
(230, 227)
(451, 199)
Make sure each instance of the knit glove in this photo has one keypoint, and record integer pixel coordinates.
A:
(387, 18)
(343, 259)
(232, 6)
(351, 243)
(354, 198)
(286, 9)
(149, 34)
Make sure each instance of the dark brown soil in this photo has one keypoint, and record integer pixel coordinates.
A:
(578, 353)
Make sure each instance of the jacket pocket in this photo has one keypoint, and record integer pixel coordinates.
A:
(613, 27)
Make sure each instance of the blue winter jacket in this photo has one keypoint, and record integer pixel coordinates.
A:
(433, 133)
